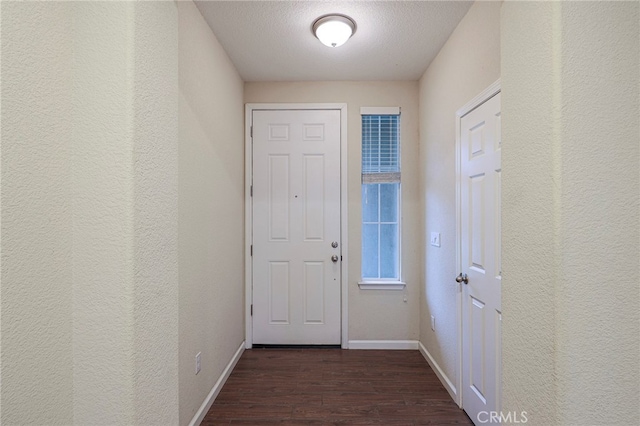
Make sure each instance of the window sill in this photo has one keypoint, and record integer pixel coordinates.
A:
(381, 285)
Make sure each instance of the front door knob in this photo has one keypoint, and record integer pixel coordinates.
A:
(334, 258)
(462, 278)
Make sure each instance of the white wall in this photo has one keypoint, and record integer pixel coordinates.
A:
(467, 64)
(373, 314)
(571, 231)
(211, 209)
(89, 213)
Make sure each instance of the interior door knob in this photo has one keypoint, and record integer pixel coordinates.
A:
(462, 278)
(334, 258)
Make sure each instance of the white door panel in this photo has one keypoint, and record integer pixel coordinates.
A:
(480, 145)
(296, 218)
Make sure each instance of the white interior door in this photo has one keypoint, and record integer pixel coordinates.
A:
(296, 227)
(480, 145)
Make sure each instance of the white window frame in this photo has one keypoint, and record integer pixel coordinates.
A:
(385, 284)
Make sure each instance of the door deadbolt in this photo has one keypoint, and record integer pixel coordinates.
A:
(334, 244)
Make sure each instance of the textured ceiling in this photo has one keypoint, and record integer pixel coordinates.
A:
(272, 40)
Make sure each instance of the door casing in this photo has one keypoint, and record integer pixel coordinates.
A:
(485, 95)
(248, 210)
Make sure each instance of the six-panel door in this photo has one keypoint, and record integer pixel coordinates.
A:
(296, 223)
(480, 145)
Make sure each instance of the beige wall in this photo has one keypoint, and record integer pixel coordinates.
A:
(122, 161)
(89, 213)
(155, 210)
(529, 386)
(467, 64)
(211, 209)
(571, 228)
(102, 213)
(37, 250)
(373, 314)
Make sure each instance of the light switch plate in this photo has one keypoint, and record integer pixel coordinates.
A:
(435, 239)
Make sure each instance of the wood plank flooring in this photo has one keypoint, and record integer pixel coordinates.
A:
(333, 386)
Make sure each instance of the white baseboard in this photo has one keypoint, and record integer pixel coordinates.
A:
(448, 384)
(384, 344)
(208, 402)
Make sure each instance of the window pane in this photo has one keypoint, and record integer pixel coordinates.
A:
(370, 202)
(380, 196)
(389, 251)
(370, 251)
(389, 202)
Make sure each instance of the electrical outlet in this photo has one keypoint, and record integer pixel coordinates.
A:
(198, 362)
(433, 323)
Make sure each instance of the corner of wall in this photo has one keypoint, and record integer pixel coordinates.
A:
(570, 225)
(124, 162)
(466, 65)
(210, 210)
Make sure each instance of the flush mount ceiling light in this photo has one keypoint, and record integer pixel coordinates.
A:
(334, 30)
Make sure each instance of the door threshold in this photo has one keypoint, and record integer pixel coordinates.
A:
(255, 346)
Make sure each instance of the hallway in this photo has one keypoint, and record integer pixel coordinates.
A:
(125, 246)
(333, 386)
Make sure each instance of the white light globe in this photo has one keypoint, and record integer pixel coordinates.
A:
(333, 31)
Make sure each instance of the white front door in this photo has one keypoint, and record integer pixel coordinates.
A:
(480, 155)
(296, 227)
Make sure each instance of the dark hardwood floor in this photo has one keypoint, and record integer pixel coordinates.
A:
(333, 386)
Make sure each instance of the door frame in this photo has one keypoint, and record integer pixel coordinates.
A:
(248, 209)
(474, 103)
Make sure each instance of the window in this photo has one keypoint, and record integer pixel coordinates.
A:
(381, 194)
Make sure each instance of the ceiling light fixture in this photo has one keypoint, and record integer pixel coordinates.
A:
(334, 30)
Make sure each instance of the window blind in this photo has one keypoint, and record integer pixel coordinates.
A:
(380, 148)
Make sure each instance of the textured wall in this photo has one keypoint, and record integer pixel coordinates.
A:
(571, 227)
(102, 213)
(155, 226)
(89, 213)
(467, 64)
(530, 202)
(373, 314)
(211, 209)
(36, 214)
(600, 283)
